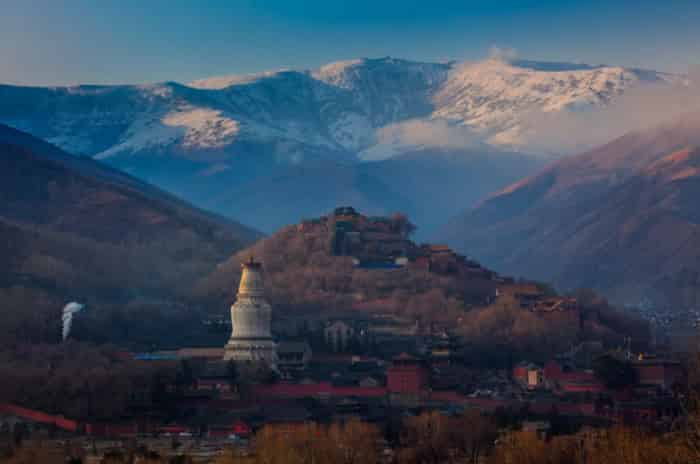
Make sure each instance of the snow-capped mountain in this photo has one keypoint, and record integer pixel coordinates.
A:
(206, 138)
(498, 98)
(342, 107)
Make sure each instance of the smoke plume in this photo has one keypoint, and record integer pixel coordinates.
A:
(69, 311)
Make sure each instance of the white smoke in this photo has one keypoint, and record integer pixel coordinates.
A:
(69, 311)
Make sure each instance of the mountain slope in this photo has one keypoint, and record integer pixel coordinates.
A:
(209, 140)
(75, 229)
(333, 111)
(620, 219)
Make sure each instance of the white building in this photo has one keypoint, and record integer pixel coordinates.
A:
(251, 339)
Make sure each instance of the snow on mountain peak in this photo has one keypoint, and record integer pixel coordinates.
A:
(222, 82)
(374, 106)
(498, 98)
(194, 128)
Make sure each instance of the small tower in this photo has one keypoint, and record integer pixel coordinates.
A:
(251, 339)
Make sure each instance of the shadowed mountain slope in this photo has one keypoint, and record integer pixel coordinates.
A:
(72, 229)
(622, 219)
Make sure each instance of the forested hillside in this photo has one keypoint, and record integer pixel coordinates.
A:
(72, 229)
(304, 275)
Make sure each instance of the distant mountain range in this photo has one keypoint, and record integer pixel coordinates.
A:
(276, 146)
(623, 219)
(72, 228)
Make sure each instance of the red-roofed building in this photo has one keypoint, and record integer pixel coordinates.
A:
(239, 429)
(520, 373)
(553, 371)
(39, 417)
(571, 382)
(407, 375)
(659, 373)
(582, 387)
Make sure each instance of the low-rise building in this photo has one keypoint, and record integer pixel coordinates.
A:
(658, 372)
(338, 335)
(293, 355)
(407, 375)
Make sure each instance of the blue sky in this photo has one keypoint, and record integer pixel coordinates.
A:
(55, 42)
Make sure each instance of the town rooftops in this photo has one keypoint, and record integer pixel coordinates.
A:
(38, 417)
(213, 353)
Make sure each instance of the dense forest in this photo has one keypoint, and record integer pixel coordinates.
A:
(81, 381)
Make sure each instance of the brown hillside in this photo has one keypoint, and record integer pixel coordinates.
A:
(305, 274)
(72, 229)
(622, 219)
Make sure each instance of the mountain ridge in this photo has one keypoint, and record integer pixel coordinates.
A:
(619, 219)
(375, 92)
(207, 141)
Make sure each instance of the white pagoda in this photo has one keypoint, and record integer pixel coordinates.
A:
(251, 339)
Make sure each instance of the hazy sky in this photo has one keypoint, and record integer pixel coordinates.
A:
(52, 42)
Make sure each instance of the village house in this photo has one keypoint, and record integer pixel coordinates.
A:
(293, 355)
(338, 335)
(658, 373)
(407, 377)
(528, 375)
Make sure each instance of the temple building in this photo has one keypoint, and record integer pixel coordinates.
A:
(251, 339)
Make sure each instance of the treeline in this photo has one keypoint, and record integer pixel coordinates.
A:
(433, 438)
(430, 438)
(502, 333)
(81, 381)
